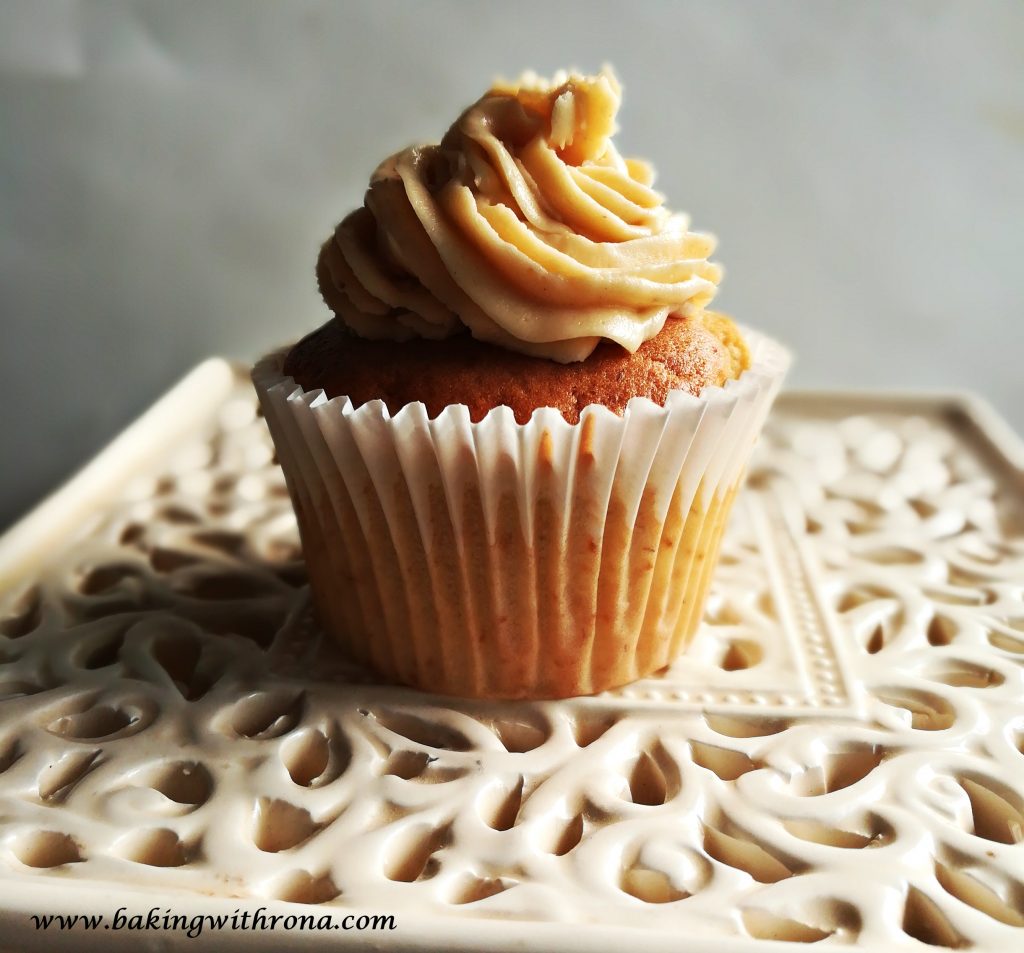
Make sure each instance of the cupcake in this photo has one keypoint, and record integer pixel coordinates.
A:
(514, 448)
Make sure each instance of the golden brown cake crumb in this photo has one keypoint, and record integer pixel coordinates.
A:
(689, 354)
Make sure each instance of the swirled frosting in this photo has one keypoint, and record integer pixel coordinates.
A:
(524, 225)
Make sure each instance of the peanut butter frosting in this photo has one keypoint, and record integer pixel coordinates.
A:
(524, 225)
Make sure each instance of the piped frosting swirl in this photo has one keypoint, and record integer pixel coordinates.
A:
(524, 225)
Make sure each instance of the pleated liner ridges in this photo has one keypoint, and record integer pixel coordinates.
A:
(506, 560)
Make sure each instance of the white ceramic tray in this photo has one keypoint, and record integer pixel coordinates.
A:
(838, 759)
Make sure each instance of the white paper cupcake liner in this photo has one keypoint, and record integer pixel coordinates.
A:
(504, 560)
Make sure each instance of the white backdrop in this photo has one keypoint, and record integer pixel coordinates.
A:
(168, 170)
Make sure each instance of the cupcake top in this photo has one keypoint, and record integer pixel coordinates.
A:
(525, 226)
(688, 355)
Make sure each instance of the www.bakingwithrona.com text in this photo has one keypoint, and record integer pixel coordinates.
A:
(193, 925)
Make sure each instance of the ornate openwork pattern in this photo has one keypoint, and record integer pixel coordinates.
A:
(840, 754)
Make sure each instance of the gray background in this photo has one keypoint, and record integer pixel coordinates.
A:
(167, 171)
